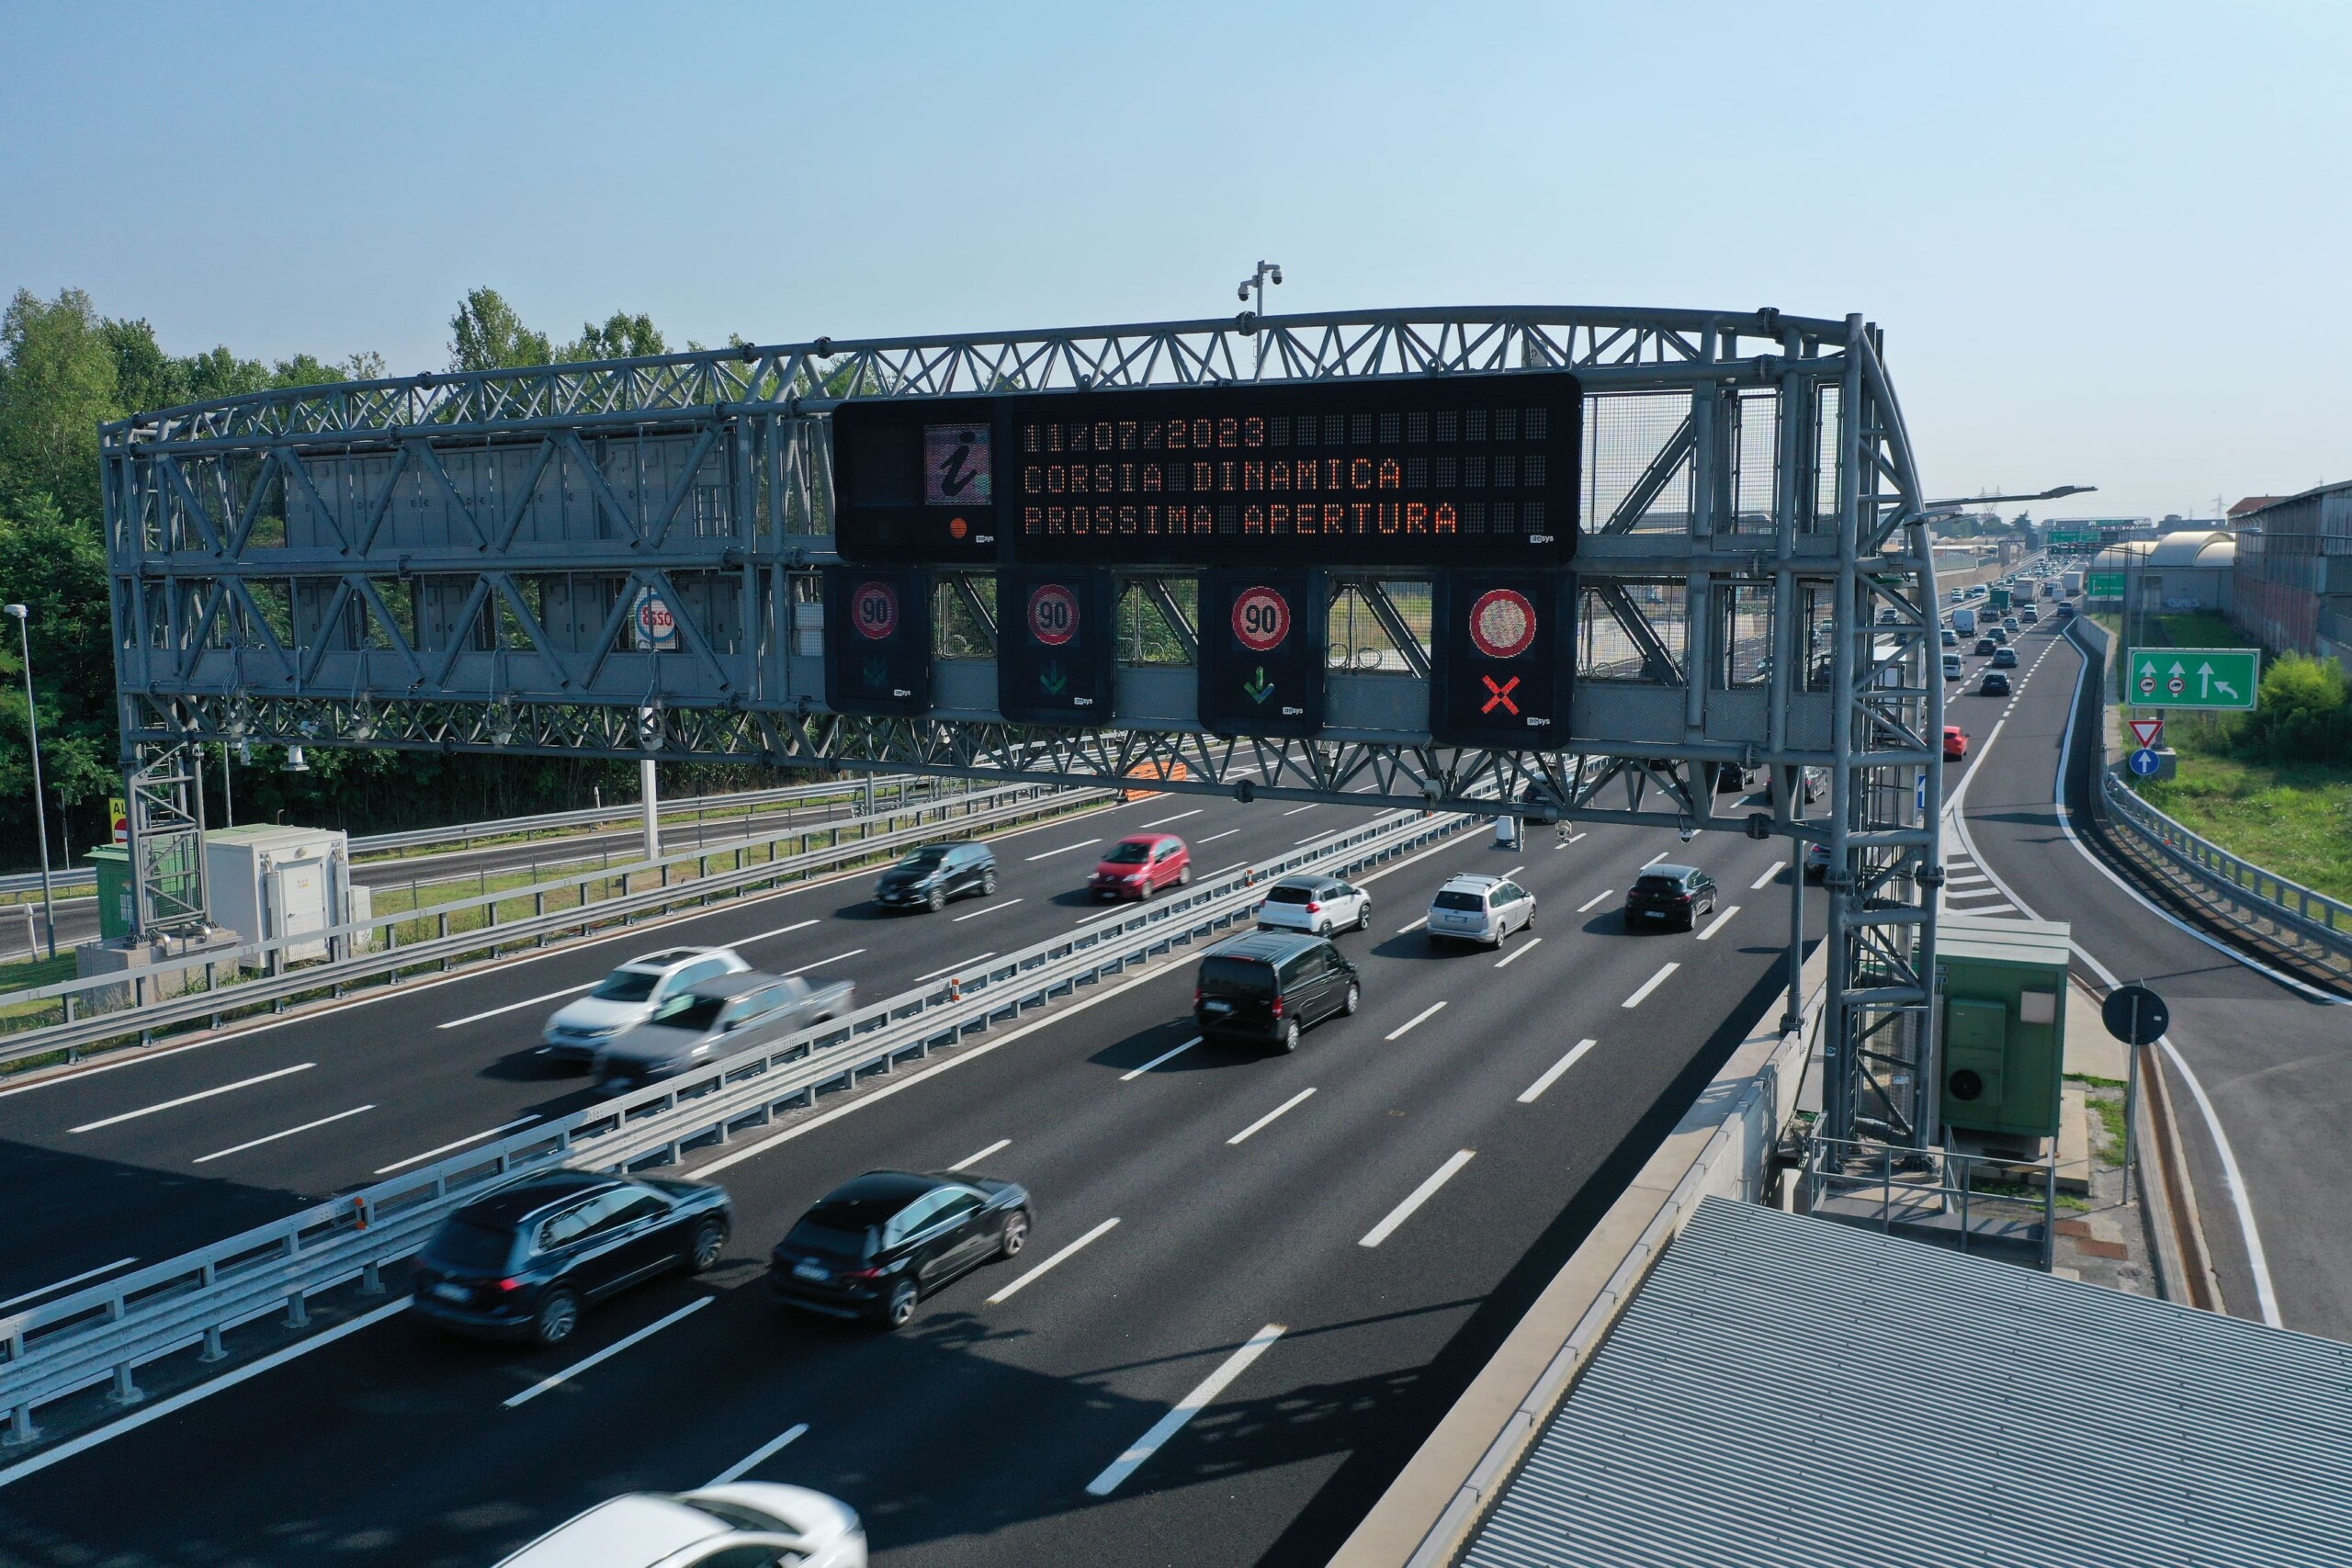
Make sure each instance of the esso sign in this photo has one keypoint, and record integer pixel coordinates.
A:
(1052, 614)
(874, 610)
(1502, 623)
(657, 624)
(1260, 619)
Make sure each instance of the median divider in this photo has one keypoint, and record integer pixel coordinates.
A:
(1723, 1145)
(104, 1335)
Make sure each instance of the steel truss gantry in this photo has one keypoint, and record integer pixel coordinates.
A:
(453, 562)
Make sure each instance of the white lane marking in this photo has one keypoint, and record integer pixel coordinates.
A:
(1297, 809)
(1717, 923)
(74, 1279)
(758, 1456)
(608, 1352)
(1415, 1199)
(205, 1389)
(1163, 821)
(836, 958)
(959, 964)
(1953, 881)
(1652, 984)
(1530, 945)
(1308, 839)
(1049, 854)
(1769, 872)
(991, 909)
(1212, 837)
(1603, 897)
(526, 1001)
(1534, 1092)
(1571, 839)
(1268, 1118)
(1419, 1018)
(978, 1154)
(1236, 865)
(2257, 1260)
(1990, 909)
(1412, 925)
(1655, 858)
(1168, 1425)
(1023, 1282)
(1134, 1073)
(1953, 897)
(192, 1099)
(461, 1143)
(780, 931)
(256, 1143)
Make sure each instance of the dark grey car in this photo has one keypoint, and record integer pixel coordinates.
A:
(928, 878)
(713, 1019)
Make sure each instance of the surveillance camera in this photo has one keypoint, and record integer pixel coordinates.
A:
(1689, 834)
(1276, 275)
(1242, 293)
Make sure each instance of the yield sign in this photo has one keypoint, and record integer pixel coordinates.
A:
(2145, 730)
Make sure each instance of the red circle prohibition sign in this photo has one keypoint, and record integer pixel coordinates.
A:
(1052, 614)
(1502, 623)
(874, 610)
(1260, 619)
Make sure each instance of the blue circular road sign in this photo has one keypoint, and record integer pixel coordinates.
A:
(2145, 763)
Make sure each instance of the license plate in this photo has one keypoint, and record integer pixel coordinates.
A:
(449, 1292)
(1216, 1007)
(811, 1271)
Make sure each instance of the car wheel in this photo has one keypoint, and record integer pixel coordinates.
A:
(558, 1316)
(901, 1304)
(1348, 1008)
(988, 883)
(1185, 875)
(710, 1240)
(1289, 1040)
(1323, 928)
(1502, 931)
(1363, 916)
(937, 901)
(1016, 1233)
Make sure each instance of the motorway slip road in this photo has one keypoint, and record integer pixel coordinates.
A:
(1311, 1256)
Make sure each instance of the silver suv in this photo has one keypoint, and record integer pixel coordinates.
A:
(629, 995)
(1480, 908)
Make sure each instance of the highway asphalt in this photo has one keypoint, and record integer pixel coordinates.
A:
(1264, 1209)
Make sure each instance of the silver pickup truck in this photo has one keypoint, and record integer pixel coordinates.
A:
(713, 1019)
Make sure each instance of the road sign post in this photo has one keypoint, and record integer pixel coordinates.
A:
(2138, 1017)
(2211, 678)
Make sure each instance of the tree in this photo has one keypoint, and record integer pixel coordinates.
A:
(2304, 713)
(486, 335)
(57, 383)
(622, 336)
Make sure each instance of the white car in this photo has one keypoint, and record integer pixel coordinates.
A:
(750, 1524)
(1317, 904)
(629, 995)
(1480, 908)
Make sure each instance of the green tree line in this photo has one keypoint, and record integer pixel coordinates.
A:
(65, 368)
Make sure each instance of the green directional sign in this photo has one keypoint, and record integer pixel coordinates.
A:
(2193, 677)
(2104, 584)
(2060, 538)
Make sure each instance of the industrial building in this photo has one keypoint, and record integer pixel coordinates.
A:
(2293, 588)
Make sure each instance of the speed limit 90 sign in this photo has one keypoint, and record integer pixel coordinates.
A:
(1053, 614)
(874, 610)
(1260, 619)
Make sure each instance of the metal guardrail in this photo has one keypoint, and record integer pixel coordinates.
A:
(82, 879)
(2262, 902)
(104, 1334)
(217, 986)
(1968, 1203)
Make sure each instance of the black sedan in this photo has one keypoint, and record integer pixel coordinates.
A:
(877, 1244)
(520, 1263)
(1670, 892)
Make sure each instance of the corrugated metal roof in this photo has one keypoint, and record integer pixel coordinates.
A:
(1787, 1389)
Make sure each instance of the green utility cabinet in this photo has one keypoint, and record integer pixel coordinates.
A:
(112, 864)
(2001, 988)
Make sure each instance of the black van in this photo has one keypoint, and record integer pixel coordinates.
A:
(1268, 987)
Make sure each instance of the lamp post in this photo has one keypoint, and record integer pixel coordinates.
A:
(40, 809)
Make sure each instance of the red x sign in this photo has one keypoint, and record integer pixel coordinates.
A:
(1501, 694)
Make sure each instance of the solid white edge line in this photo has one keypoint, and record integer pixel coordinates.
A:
(1168, 1425)
(1717, 923)
(990, 910)
(191, 1099)
(1415, 1199)
(1419, 1018)
(820, 963)
(1551, 1075)
(84, 1274)
(1049, 854)
(1134, 1073)
(1652, 984)
(205, 1389)
(1604, 895)
(555, 1380)
(1269, 1118)
(959, 964)
(978, 1154)
(757, 1457)
(1769, 872)
(526, 1001)
(1023, 1282)
(256, 1143)
(459, 1144)
(1530, 945)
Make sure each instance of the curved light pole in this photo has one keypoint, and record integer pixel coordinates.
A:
(40, 811)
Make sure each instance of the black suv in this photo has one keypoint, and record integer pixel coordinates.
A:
(1266, 989)
(874, 1246)
(1669, 894)
(928, 878)
(520, 1263)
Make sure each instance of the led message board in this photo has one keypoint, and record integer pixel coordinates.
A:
(1457, 471)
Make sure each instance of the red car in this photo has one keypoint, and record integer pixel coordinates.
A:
(1140, 866)
(1955, 743)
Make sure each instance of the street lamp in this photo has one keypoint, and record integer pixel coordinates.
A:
(40, 811)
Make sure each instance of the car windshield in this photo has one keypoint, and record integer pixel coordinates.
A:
(812, 1235)
(465, 1246)
(1129, 854)
(1283, 893)
(1658, 884)
(1457, 900)
(1251, 976)
(923, 858)
(697, 1013)
(627, 985)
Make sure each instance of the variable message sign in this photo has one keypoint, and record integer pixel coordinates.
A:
(878, 640)
(1262, 640)
(1501, 650)
(2193, 677)
(1055, 654)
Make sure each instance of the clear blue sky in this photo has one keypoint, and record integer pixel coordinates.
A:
(2109, 243)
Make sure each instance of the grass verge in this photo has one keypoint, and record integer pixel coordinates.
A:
(2294, 819)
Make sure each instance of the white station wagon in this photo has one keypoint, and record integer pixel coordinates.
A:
(1480, 908)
